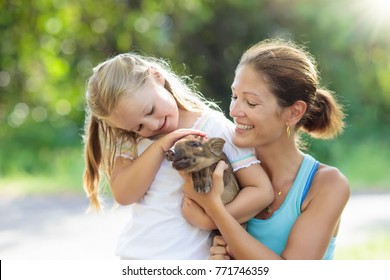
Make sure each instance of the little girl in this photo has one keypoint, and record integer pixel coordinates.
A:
(137, 108)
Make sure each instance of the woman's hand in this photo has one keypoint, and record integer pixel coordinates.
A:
(215, 193)
(192, 211)
(219, 250)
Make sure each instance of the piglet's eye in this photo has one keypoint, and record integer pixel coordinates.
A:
(194, 144)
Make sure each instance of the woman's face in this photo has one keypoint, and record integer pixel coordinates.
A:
(149, 111)
(255, 111)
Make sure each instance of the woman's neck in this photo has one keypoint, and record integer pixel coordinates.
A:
(281, 163)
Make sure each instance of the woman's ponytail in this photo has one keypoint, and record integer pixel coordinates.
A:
(324, 118)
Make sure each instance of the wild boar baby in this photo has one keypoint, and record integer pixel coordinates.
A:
(199, 156)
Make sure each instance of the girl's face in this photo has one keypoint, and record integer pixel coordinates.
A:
(256, 114)
(149, 111)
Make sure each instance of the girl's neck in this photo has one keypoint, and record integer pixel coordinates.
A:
(187, 118)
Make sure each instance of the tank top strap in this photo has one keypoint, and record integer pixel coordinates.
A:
(302, 182)
(312, 166)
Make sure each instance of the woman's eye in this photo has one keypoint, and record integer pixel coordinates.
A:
(251, 104)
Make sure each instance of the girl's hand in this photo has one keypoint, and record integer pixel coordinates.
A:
(167, 141)
(190, 208)
(218, 250)
(195, 215)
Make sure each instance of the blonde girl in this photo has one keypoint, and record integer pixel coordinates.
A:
(137, 108)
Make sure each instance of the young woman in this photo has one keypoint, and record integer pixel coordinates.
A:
(275, 96)
(137, 108)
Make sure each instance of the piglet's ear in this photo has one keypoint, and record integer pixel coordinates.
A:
(197, 137)
(216, 145)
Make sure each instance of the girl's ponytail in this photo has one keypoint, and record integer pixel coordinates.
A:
(93, 157)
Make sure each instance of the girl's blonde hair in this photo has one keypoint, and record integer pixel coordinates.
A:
(111, 80)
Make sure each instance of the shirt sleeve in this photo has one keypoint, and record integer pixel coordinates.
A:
(217, 125)
(124, 150)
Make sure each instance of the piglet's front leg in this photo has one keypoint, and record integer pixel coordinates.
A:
(202, 180)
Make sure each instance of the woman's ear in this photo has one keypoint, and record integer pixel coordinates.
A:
(153, 71)
(295, 112)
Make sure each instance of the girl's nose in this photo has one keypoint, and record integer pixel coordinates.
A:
(152, 124)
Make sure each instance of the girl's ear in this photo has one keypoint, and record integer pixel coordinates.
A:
(295, 112)
(153, 71)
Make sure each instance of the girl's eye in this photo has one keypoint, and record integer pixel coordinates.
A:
(151, 112)
(139, 128)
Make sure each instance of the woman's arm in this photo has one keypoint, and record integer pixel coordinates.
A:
(255, 195)
(241, 244)
(321, 214)
(310, 234)
(130, 179)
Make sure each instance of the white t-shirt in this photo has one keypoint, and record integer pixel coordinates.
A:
(156, 229)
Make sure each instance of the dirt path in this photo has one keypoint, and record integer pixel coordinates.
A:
(57, 227)
(364, 215)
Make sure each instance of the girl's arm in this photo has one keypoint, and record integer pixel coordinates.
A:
(312, 231)
(256, 193)
(130, 179)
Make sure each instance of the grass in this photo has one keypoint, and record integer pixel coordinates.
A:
(59, 172)
(27, 185)
(376, 247)
(364, 163)
(367, 166)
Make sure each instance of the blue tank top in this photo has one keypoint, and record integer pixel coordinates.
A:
(274, 231)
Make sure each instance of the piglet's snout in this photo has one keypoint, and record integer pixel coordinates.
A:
(170, 155)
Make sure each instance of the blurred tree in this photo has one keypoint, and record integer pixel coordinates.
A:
(49, 47)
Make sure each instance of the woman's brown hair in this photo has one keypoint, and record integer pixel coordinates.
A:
(291, 74)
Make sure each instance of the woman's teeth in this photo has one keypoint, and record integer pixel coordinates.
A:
(244, 126)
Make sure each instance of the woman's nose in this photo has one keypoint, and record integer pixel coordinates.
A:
(235, 110)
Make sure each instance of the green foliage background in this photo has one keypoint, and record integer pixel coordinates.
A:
(49, 47)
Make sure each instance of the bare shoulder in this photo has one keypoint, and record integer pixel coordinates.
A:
(329, 186)
(329, 179)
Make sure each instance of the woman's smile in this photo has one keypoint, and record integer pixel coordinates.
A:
(244, 126)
